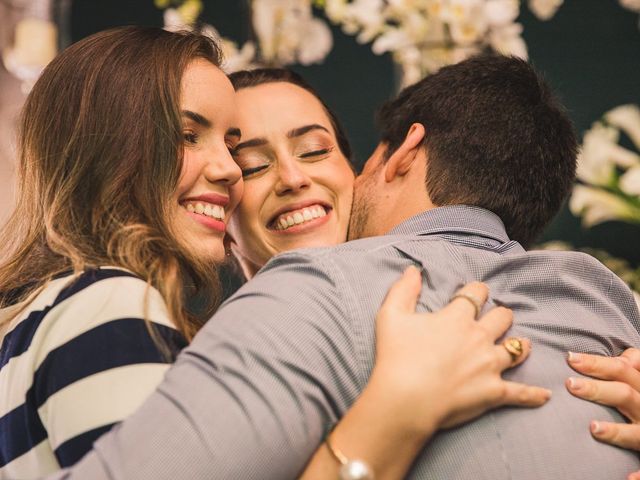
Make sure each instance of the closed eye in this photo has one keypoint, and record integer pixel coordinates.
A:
(315, 153)
(250, 171)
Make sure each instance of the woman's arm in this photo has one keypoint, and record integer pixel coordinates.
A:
(432, 371)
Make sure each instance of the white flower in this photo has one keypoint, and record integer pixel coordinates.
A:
(316, 44)
(594, 165)
(440, 32)
(366, 17)
(190, 10)
(544, 9)
(288, 32)
(501, 12)
(411, 73)
(238, 59)
(601, 153)
(392, 40)
(596, 206)
(335, 10)
(508, 41)
(468, 32)
(627, 118)
(630, 181)
(456, 11)
(173, 21)
(183, 17)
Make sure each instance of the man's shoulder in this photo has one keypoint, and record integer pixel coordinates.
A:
(350, 254)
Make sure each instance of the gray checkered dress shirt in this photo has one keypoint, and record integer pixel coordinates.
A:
(287, 355)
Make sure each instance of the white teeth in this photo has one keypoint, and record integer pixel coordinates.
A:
(208, 209)
(306, 214)
(301, 216)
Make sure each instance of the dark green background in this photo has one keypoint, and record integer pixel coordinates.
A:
(590, 52)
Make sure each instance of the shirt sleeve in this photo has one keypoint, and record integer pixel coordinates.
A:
(252, 395)
(105, 368)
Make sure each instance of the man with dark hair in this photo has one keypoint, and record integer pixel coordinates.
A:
(473, 162)
(496, 138)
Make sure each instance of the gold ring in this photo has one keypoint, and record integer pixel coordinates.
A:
(475, 301)
(514, 347)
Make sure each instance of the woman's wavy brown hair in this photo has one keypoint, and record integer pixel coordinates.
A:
(100, 156)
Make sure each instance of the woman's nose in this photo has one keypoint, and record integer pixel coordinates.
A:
(291, 178)
(222, 168)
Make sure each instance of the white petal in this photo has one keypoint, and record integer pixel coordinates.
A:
(316, 43)
(630, 182)
(597, 206)
(544, 9)
(627, 118)
(501, 12)
(391, 40)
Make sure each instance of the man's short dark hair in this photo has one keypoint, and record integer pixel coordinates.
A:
(496, 137)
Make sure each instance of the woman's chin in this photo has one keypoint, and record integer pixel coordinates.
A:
(211, 251)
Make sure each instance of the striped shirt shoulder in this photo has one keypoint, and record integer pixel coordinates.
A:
(77, 359)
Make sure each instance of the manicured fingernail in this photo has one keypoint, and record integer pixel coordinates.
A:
(412, 270)
(575, 383)
(597, 428)
(574, 357)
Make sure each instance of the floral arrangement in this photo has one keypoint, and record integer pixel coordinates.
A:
(286, 32)
(609, 183)
(609, 173)
(424, 35)
(421, 35)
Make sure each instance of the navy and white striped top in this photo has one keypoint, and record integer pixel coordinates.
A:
(78, 359)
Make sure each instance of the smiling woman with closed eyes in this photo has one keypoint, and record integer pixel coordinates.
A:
(294, 158)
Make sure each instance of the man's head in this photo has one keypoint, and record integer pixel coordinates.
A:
(486, 132)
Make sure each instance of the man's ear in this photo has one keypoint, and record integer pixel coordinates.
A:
(401, 161)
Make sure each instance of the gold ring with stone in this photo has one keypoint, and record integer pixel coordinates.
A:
(475, 301)
(514, 347)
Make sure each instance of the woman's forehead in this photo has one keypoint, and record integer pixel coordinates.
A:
(279, 105)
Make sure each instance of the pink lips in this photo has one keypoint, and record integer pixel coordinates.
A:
(209, 222)
(304, 227)
(310, 224)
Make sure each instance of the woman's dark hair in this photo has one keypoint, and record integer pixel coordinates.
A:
(260, 76)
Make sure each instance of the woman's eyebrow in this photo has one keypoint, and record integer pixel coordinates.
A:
(254, 142)
(297, 132)
(196, 117)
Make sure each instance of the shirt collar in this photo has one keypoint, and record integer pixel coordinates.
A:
(454, 219)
